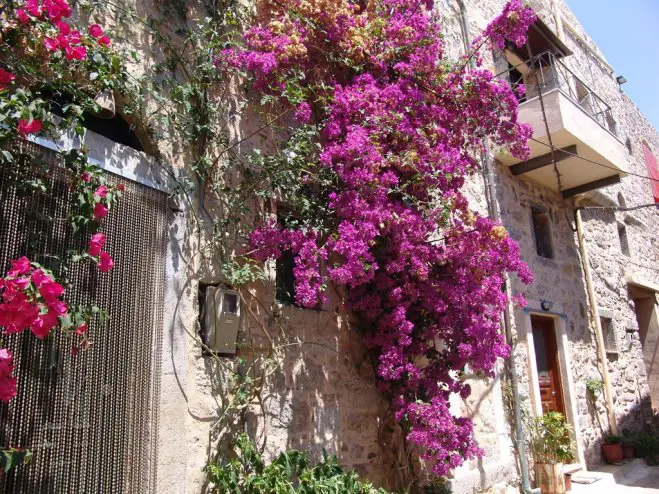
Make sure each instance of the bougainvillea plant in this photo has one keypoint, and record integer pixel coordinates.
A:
(51, 71)
(399, 128)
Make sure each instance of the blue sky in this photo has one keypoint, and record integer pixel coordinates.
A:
(627, 32)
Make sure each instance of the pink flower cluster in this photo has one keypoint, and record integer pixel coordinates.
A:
(423, 272)
(64, 39)
(7, 380)
(96, 244)
(31, 299)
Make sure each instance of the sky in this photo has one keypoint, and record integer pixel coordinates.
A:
(627, 32)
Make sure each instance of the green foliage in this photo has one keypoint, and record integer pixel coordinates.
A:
(645, 445)
(13, 457)
(594, 386)
(549, 438)
(290, 473)
(613, 439)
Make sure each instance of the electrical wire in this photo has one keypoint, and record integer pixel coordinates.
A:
(594, 162)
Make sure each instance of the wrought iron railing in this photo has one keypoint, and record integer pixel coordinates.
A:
(545, 72)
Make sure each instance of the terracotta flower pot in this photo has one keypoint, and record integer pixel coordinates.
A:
(627, 451)
(549, 478)
(568, 481)
(612, 453)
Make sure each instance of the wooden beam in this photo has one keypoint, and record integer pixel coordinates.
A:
(543, 160)
(595, 184)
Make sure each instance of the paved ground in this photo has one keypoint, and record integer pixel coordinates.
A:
(634, 477)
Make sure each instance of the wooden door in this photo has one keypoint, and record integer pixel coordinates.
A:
(546, 358)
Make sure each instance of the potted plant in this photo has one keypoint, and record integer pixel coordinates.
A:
(551, 446)
(612, 449)
(628, 439)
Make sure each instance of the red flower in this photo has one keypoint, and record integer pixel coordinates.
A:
(42, 326)
(6, 78)
(7, 381)
(104, 41)
(63, 27)
(101, 191)
(18, 267)
(50, 290)
(82, 329)
(105, 262)
(95, 31)
(86, 177)
(74, 38)
(121, 187)
(51, 44)
(23, 18)
(58, 307)
(75, 52)
(32, 6)
(38, 277)
(100, 211)
(29, 127)
(96, 244)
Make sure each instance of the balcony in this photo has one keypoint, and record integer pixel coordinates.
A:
(587, 151)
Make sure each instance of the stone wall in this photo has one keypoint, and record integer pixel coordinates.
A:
(323, 394)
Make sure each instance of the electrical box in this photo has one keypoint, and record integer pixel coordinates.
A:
(221, 319)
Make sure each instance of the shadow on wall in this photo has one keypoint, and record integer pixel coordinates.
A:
(323, 396)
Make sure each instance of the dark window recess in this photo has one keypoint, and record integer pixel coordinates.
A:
(624, 241)
(608, 335)
(516, 80)
(116, 128)
(285, 279)
(542, 231)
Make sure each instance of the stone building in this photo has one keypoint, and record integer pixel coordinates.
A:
(591, 317)
(603, 152)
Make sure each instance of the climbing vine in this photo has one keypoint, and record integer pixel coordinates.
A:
(398, 127)
(377, 133)
(51, 72)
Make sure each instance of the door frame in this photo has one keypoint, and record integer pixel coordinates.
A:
(559, 319)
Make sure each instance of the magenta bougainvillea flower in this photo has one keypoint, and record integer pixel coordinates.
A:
(7, 380)
(96, 244)
(105, 262)
(29, 126)
(100, 211)
(422, 271)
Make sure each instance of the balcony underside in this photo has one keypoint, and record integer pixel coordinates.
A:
(600, 157)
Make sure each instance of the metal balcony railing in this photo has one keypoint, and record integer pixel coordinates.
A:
(545, 72)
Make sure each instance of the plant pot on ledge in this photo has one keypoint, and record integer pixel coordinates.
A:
(627, 451)
(612, 449)
(549, 478)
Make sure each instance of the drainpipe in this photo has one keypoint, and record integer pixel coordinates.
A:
(493, 211)
(596, 323)
(556, 12)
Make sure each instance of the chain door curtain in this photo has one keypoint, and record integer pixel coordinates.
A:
(90, 418)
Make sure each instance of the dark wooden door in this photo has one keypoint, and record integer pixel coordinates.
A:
(546, 358)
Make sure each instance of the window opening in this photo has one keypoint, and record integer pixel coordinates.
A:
(624, 241)
(542, 231)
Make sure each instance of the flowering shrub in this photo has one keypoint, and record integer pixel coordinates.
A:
(399, 128)
(50, 67)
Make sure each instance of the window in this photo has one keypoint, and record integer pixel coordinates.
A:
(542, 232)
(609, 335)
(285, 279)
(624, 242)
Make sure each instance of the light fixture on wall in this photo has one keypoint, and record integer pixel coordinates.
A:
(621, 80)
(546, 305)
(630, 335)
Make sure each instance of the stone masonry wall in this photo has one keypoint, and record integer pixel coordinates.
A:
(324, 394)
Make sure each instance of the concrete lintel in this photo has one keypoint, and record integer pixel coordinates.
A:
(595, 184)
(637, 280)
(543, 160)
